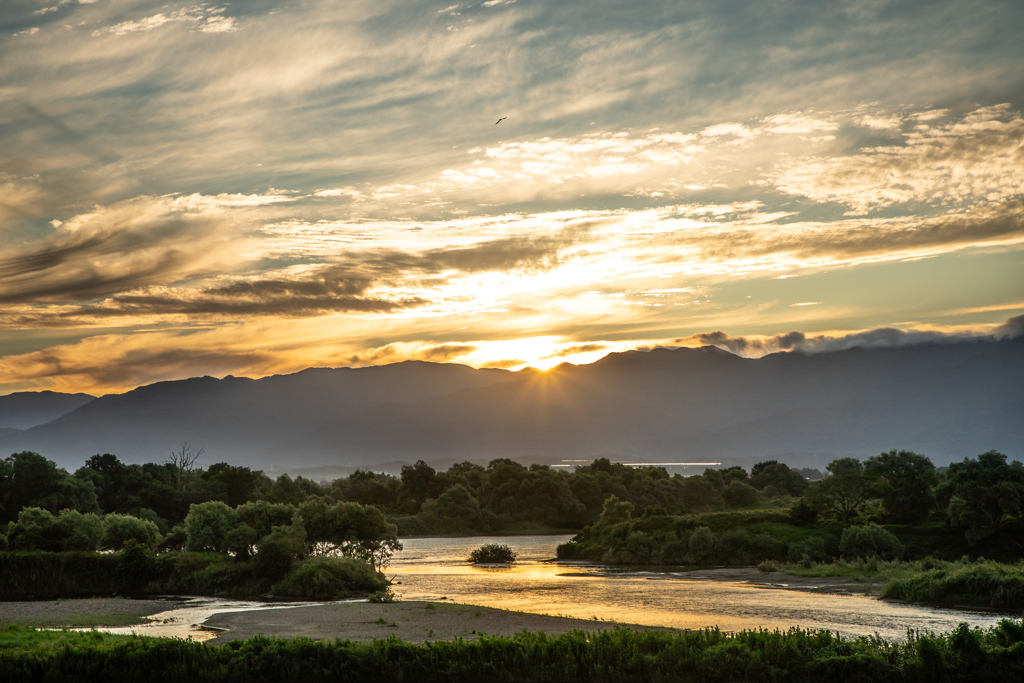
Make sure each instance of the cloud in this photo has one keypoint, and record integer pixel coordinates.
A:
(200, 17)
(1013, 328)
(955, 163)
(114, 249)
(882, 337)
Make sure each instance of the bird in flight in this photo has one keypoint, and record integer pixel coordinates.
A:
(500, 120)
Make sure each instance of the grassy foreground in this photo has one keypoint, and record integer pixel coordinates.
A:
(621, 655)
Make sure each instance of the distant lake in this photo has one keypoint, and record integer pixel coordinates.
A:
(431, 568)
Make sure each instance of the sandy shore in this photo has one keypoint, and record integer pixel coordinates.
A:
(412, 621)
(81, 613)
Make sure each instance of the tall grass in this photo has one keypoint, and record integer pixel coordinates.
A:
(961, 582)
(619, 655)
(981, 584)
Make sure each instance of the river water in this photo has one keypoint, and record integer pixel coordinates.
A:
(436, 569)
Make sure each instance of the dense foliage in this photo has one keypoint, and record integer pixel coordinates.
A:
(138, 571)
(997, 655)
(893, 505)
(493, 553)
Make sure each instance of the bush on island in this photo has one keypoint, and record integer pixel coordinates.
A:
(493, 553)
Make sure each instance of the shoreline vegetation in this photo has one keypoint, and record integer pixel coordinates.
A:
(112, 528)
(29, 655)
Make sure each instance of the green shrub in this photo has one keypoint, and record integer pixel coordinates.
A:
(493, 553)
(870, 541)
(136, 566)
(279, 549)
(39, 575)
(702, 544)
(984, 584)
(175, 539)
(206, 526)
(739, 495)
(38, 529)
(118, 530)
(385, 594)
(330, 578)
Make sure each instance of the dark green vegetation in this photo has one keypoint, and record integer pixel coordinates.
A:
(896, 505)
(621, 655)
(259, 546)
(135, 572)
(893, 506)
(493, 552)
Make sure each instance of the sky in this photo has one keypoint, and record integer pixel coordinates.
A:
(258, 187)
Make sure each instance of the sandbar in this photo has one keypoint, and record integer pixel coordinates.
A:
(413, 621)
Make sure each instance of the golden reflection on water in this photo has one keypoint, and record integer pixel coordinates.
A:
(432, 569)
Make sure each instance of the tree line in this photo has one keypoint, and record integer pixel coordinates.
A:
(977, 496)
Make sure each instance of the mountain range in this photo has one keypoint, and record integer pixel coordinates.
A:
(945, 400)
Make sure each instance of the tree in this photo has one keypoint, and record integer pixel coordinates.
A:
(118, 530)
(774, 473)
(418, 482)
(980, 494)
(181, 463)
(233, 484)
(904, 481)
(615, 511)
(279, 549)
(262, 516)
(38, 529)
(739, 495)
(349, 528)
(207, 525)
(847, 489)
(702, 544)
(870, 541)
(28, 479)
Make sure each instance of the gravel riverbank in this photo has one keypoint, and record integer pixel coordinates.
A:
(81, 613)
(412, 621)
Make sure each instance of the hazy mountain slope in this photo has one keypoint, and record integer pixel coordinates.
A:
(237, 419)
(700, 404)
(26, 409)
(946, 400)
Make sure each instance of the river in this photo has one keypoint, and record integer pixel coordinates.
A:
(436, 568)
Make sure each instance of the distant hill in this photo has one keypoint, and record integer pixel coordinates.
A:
(26, 409)
(947, 401)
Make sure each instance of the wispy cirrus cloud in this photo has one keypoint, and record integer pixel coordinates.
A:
(310, 173)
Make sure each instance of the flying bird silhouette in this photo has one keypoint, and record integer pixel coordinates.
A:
(500, 120)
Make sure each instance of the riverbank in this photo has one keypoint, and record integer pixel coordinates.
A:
(412, 621)
(82, 613)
